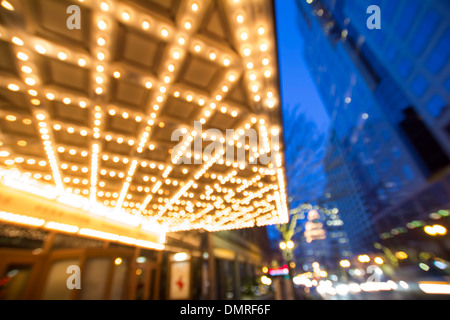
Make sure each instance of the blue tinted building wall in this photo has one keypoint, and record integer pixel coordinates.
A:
(347, 86)
(410, 57)
(413, 45)
(370, 80)
(328, 251)
(343, 191)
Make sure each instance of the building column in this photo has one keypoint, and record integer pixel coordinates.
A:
(132, 276)
(158, 271)
(211, 267)
(236, 278)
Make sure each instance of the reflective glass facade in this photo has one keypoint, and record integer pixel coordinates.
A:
(385, 91)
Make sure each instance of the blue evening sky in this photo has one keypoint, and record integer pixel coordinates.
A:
(297, 86)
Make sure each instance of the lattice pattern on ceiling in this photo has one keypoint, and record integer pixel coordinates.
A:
(92, 111)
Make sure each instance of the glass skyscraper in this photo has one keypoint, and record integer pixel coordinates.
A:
(387, 93)
(343, 192)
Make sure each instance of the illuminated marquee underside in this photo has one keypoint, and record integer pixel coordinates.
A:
(90, 113)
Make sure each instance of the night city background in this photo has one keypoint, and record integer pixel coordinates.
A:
(354, 205)
(366, 122)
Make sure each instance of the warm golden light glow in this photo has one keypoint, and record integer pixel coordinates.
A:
(5, 4)
(363, 258)
(401, 255)
(435, 230)
(344, 263)
(160, 195)
(290, 244)
(17, 41)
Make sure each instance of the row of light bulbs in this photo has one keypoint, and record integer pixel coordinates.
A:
(234, 172)
(83, 132)
(242, 211)
(232, 200)
(101, 59)
(67, 100)
(102, 25)
(249, 65)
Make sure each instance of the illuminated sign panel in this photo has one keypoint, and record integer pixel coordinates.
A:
(106, 146)
(27, 208)
(313, 228)
(283, 271)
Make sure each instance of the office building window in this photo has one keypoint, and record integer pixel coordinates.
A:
(396, 153)
(408, 173)
(440, 55)
(379, 39)
(389, 8)
(386, 135)
(425, 32)
(391, 53)
(419, 85)
(436, 105)
(447, 84)
(408, 15)
(405, 68)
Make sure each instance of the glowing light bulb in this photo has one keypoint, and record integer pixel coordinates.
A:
(125, 16)
(13, 87)
(22, 56)
(40, 49)
(62, 56)
(102, 25)
(8, 6)
(145, 25)
(101, 41)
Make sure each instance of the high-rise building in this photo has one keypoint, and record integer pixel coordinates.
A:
(387, 93)
(413, 49)
(343, 191)
(323, 238)
(304, 151)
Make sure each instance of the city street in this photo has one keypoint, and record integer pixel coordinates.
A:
(224, 150)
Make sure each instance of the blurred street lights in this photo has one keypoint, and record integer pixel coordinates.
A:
(363, 258)
(287, 245)
(378, 260)
(287, 249)
(344, 263)
(437, 231)
(266, 280)
(401, 255)
(290, 244)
